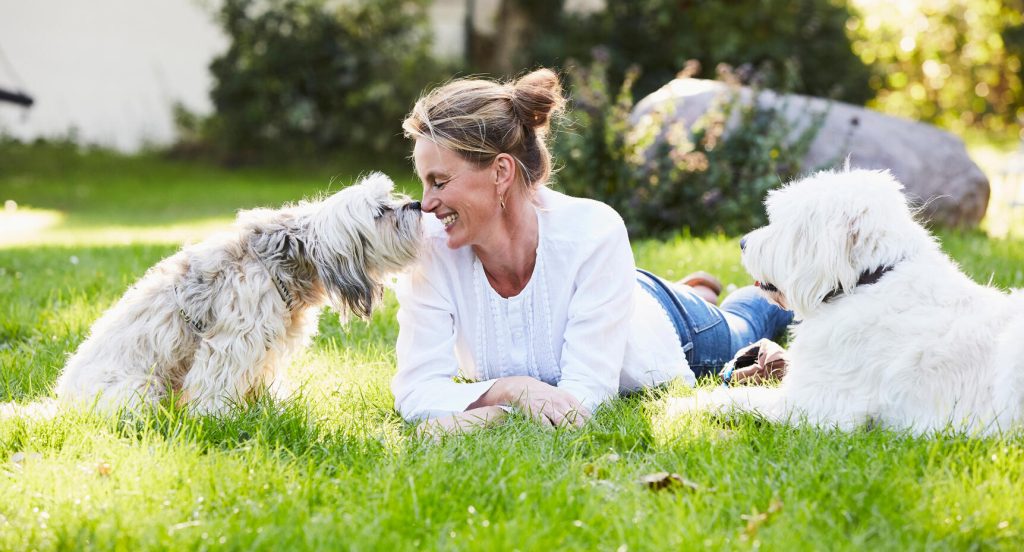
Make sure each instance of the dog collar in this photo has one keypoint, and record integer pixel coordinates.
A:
(196, 325)
(867, 277)
(282, 289)
(193, 321)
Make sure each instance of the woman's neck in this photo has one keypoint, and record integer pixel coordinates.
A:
(509, 257)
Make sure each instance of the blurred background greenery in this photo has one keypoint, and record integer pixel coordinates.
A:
(318, 79)
(315, 75)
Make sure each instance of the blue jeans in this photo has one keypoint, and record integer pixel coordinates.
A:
(711, 335)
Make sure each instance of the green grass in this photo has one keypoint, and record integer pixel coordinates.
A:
(336, 468)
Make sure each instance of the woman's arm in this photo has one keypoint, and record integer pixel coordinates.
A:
(423, 386)
(600, 311)
(463, 422)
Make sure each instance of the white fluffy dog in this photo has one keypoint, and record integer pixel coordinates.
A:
(891, 332)
(218, 320)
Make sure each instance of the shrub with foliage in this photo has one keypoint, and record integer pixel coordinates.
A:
(309, 76)
(663, 177)
(660, 35)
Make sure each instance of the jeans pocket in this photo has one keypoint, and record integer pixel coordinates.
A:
(709, 332)
(699, 314)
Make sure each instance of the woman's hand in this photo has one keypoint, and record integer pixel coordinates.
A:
(544, 403)
(462, 422)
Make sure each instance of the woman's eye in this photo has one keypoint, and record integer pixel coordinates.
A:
(440, 185)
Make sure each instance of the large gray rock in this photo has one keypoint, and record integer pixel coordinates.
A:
(932, 164)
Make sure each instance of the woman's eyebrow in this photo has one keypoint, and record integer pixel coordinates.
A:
(432, 176)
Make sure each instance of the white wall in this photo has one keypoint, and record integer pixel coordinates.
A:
(111, 68)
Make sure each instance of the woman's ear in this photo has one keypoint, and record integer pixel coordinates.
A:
(505, 173)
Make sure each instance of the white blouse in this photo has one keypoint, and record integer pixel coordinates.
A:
(582, 322)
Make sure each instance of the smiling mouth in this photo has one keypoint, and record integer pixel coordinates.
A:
(449, 220)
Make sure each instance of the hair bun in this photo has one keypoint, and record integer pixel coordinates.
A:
(536, 97)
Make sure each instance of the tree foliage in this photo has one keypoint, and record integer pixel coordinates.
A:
(805, 39)
(311, 76)
(955, 63)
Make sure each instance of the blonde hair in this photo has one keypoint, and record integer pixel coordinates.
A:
(479, 119)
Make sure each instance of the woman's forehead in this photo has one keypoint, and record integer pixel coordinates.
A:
(429, 156)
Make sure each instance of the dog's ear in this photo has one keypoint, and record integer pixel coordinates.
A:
(351, 285)
(337, 244)
(881, 226)
(820, 260)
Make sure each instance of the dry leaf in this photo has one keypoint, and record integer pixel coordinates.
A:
(671, 481)
(598, 468)
(103, 469)
(592, 469)
(756, 519)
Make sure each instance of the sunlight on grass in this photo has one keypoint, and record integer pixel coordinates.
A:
(332, 465)
(20, 225)
(1004, 167)
(57, 232)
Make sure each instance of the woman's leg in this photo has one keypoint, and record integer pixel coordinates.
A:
(711, 335)
(752, 317)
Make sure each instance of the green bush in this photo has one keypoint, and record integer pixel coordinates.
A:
(662, 177)
(660, 35)
(308, 76)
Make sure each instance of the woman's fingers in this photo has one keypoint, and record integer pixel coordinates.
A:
(574, 417)
(547, 404)
(568, 414)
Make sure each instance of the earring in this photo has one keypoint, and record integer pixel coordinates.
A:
(501, 201)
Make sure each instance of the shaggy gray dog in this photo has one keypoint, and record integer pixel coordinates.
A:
(220, 319)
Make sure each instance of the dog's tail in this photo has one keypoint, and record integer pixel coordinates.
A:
(43, 409)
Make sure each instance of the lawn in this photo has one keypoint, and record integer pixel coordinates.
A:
(336, 468)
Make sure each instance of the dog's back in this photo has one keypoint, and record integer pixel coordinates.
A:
(915, 350)
(136, 346)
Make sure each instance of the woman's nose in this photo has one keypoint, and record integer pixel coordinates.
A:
(429, 202)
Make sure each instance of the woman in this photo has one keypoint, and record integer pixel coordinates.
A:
(531, 293)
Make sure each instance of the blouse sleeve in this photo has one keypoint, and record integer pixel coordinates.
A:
(424, 386)
(599, 313)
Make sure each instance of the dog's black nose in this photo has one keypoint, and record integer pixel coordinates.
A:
(743, 243)
(413, 205)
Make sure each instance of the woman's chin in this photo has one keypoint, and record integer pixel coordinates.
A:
(455, 239)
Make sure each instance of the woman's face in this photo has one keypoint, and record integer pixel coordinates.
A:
(463, 196)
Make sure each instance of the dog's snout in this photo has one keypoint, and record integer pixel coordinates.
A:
(413, 205)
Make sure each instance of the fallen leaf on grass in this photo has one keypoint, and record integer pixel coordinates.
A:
(661, 481)
(104, 469)
(598, 469)
(756, 519)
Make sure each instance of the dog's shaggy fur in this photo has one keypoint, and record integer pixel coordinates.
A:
(218, 320)
(922, 348)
